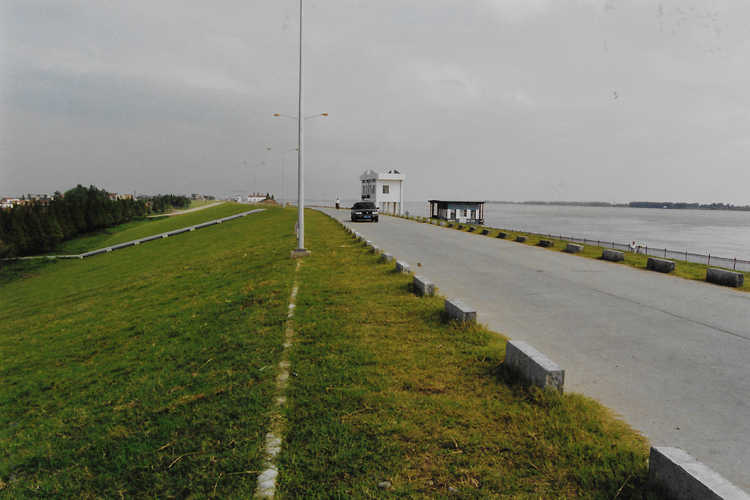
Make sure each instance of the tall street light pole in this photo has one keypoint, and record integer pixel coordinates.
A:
(300, 251)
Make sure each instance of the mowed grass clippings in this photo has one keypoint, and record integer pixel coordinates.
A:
(384, 390)
(141, 228)
(146, 372)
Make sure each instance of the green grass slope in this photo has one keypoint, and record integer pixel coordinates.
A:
(147, 227)
(387, 391)
(150, 372)
(147, 371)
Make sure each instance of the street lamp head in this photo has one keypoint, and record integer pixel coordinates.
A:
(276, 114)
(323, 114)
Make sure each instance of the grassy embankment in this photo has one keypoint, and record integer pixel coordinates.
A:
(149, 372)
(147, 227)
(387, 391)
(687, 270)
(200, 203)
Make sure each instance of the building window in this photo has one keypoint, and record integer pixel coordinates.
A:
(386, 189)
(466, 213)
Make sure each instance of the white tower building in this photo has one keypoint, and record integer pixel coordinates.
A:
(386, 190)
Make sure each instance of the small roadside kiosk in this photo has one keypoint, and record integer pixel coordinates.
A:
(465, 212)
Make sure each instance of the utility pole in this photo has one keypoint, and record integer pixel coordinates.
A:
(300, 251)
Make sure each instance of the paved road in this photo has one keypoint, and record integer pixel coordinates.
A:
(671, 356)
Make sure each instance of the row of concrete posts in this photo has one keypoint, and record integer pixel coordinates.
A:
(672, 470)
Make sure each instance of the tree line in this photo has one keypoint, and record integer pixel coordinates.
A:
(40, 226)
(688, 206)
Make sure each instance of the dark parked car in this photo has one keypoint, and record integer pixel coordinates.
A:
(364, 210)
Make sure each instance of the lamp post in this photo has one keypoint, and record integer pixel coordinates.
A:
(300, 251)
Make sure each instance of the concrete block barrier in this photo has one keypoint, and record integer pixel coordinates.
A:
(485, 232)
(680, 476)
(612, 255)
(122, 245)
(402, 267)
(456, 309)
(502, 235)
(150, 238)
(204, 224)
(178, 231)
(573, 248)
(520, 239)
(423, 286)
(659, 265)
(386, 257)
(95, 252)
(545, 243)
(532, 366)
(724, 277)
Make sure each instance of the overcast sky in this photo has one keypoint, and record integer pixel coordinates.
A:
(611, 100)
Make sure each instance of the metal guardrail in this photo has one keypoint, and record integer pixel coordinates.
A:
(734, 264)
(131, 243)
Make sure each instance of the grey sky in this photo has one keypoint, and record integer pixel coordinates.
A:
(611, 100)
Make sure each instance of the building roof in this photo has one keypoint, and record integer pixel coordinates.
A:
(457, 201)
(391, 175)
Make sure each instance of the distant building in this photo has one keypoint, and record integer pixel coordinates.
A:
(386, 190)
(255, 198)
(8, 203)
(465, 212)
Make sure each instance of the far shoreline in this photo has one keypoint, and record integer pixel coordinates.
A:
(633, 204)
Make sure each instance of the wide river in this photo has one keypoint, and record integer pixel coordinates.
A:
(720, 233)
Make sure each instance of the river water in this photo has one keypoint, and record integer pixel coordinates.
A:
(716, 232)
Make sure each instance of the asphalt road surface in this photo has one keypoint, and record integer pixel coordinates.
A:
(671, 356)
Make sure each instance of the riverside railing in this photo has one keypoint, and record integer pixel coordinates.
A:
(666, 253)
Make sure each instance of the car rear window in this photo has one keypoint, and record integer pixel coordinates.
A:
(363, 204)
